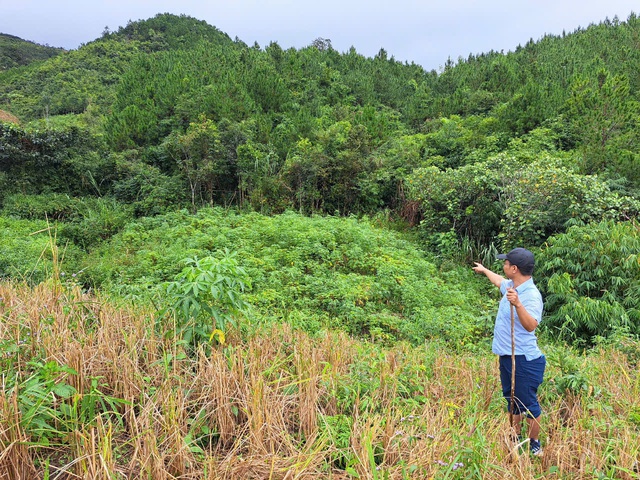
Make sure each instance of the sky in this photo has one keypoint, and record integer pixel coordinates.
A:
(426, 32)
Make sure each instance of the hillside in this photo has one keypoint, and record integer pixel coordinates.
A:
(231, 261)
(16, 52)
(69, 83)
(8, 118)
(169, 113)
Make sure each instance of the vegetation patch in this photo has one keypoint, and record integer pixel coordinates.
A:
(90, 389)
(290, 234)
(314, 273)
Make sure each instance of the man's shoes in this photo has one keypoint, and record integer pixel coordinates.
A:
(535, 448)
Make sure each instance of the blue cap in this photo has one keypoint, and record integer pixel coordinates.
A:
(521, 258)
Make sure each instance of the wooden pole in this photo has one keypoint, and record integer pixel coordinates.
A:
(513, 366)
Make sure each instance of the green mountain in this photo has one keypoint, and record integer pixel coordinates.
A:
(69, 83)
(176, 102)
(16, 52)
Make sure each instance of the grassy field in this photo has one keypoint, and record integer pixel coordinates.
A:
(95, 391)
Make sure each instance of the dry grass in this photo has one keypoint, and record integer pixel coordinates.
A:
(267, 407)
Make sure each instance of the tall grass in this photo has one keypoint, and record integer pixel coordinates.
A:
(93, 391)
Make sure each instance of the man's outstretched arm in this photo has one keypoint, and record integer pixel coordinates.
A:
(492, 276)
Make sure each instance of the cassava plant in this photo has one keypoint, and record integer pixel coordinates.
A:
(591, 278)
(206, 297)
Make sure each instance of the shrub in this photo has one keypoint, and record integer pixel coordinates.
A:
(26, 251)
(506, 201)
(206, 297)
(545, 197)
(85, 221)
(464, 201)
(145, 187)
(54, 206)
(591, 279)
(315, 273)
(95, 220)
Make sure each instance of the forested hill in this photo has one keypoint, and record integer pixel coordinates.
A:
(550, 67)
(16, 52)
(167, 31)
(497, 150)
(521, 88)
(314, 128)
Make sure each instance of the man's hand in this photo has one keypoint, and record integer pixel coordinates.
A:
(528, 322)
(512, 296)
(479, 268)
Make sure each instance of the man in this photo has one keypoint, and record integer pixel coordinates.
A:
(520, 292)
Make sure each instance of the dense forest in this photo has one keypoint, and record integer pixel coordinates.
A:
(218, 257)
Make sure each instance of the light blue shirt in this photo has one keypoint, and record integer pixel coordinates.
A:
(526, 342)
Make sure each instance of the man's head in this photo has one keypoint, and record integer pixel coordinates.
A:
(521, 258)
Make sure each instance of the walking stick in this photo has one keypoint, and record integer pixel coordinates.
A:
(513, 367)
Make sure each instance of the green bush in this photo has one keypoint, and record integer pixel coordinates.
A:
(315, 273)
(510, 202)
(463, 200)
(544, 197)
(95, 220)
(145, 187)
(206, 297)
(54, 206)
(46, 160)
(85, 221)
(26, 251)
(591, 280)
